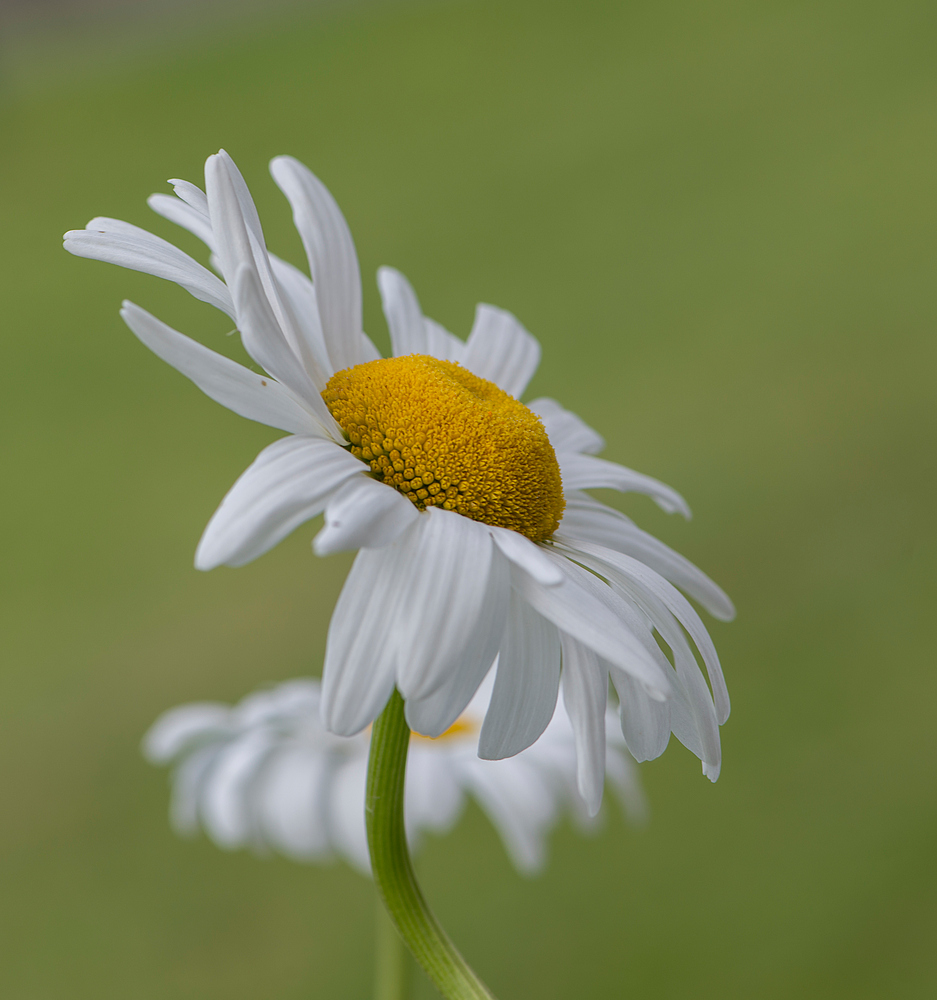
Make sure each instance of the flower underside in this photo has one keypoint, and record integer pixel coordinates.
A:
(446, 438)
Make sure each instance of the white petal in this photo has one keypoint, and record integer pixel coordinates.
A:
(593, 521)
(360, 660)
(501, 350)
(225, 802)
(692, 714)
(288, 483)
(346, 813)
(299, 299)
(402, 309)
(188, 781)
(267, 345)
(175, 730)
(117, 242)
(247, 393)
(291, 802)
(440, 343)
(583, 606)
(445, 593)
(583, 472)
(524, 554)
(645, 723)
(520, 805)
(177, 211)
(332, 258)
(433, 713)
(526, 683)
(363, 514)
(434, 796)
(566, 431)
(585, 692)
(712, 771)
(240, 239)
(191, 194)
(366, 349)
(640, 579)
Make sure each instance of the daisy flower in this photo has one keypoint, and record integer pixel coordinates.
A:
(267, 774)
(476, 538)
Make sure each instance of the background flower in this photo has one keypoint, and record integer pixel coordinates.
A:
(267, 774)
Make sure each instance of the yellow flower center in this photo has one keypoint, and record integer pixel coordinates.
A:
(446, 438)
(462, 727)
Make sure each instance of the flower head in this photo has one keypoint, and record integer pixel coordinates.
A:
(477, 541)
(266, 774)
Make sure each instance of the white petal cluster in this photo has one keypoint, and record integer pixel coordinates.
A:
(266, 774)
(433, 598)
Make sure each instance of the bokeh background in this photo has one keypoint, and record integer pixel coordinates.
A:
(721, 222)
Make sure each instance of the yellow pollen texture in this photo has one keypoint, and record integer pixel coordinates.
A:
(446, 438)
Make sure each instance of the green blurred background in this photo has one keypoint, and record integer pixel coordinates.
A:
(721, 222)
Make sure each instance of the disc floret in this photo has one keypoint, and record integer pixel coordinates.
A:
(446, 438)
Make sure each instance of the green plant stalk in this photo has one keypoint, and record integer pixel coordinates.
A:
(390, 861)
(391, 961)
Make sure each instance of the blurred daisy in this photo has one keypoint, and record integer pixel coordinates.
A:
(476, 539)
(267, 774)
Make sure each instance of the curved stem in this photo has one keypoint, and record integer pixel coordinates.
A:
(390, 861)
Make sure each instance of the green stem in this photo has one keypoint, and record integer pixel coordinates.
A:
(390, 861)
(391, 961)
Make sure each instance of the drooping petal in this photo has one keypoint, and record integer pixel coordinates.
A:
(501, 350)
(639, 580)
(247, 393)
(440, 343)
(433, 713)
(692, 714)
(583, 607)
(445, 594)
(524, 554)
(595, 522)
(332, 258)
(526, 683)
(645, 723)
(583, 472)
(566, 431)
(403, 313)
(360, 657)
(288, 483)
(585, 693)
(363, 514)
(117, 242)
(267, 345)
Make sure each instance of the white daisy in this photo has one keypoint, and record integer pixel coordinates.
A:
(267, 774)
(476, 539)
